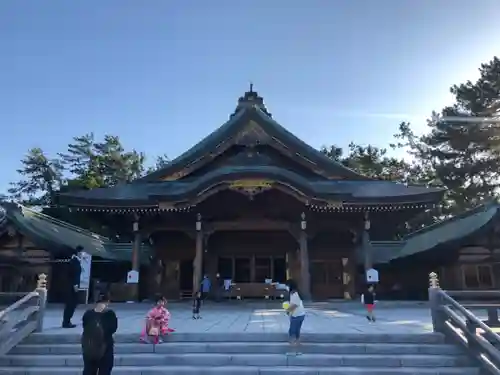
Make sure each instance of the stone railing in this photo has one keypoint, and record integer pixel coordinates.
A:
(23, 317)
(460, 325)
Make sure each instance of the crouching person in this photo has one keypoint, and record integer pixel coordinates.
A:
(99, 325)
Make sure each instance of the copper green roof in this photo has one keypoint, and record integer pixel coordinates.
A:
(59, 237)
(440, 234)
(355, 191)
(348, 185)
(236, 124)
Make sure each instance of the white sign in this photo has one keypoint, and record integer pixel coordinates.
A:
(85, 264)
(133, 277)
(372, 275)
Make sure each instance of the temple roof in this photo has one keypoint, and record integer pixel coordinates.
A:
(356, 191)
(59, 237)
(250, 109)
(441, 234)
(249, 127)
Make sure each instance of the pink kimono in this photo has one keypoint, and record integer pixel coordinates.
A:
(158, 318)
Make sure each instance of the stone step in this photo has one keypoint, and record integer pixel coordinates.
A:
(246, 370)
(213, 359)
(245, 347)
(424, 338)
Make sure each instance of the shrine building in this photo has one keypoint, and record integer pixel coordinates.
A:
(251, 202)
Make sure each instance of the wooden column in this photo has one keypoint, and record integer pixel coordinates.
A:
(136, 256)
(366, 244)
(136, 247)
(305, 275)
(349, 276)
(198, 259)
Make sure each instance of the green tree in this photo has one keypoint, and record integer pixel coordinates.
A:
(372, 161)
(461, 149)
(41, 179)
(116, 164)
(333, 152)
(160, 162)
(83, 163)
(95, 164)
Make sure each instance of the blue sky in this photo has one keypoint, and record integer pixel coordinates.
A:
(162, 74)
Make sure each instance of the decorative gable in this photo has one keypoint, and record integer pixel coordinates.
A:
(251, 126)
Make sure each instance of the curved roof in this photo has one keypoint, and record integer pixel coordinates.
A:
(439, 234)
(350, 191)
(236, 124)
(251, 124)
(59, 237)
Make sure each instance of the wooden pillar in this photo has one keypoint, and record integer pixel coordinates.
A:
(198, 259)
(305, 275)
(136, 247)
(136, 256)
(349, 276)
(366, 244)
(252, 269)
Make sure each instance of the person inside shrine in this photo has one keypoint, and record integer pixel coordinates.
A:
(197, 306)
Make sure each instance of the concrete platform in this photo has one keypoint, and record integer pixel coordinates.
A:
(268, 317)
(250, 338)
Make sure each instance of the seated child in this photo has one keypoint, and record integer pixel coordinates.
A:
(156, 325)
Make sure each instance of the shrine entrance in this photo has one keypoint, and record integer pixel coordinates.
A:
(256, 268)
(186, 277)
(326, 279)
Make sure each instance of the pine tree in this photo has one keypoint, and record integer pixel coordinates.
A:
(461, 149)
(42, 178)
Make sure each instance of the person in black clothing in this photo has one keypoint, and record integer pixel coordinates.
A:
(75, 269)
(197, 305)
(368, 300)
(99, 325)
(219, 287)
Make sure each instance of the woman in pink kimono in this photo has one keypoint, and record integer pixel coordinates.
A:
(156, 325)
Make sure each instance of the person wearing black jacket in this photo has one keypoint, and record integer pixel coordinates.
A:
(71, 298)
(101, 340)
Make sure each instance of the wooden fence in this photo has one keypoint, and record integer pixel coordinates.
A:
(23, 317)
(461, 326)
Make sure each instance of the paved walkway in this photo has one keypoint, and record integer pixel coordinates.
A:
(263, 318)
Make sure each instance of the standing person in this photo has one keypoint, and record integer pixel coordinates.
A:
(197, 306)
(206, 285)
(219, 287)
(368, 299)
(99, 325)
(71, 298)
(297, 314)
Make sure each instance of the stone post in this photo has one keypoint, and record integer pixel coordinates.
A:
(305, 275)
(437, 315)
(41, 289)
(198, 259)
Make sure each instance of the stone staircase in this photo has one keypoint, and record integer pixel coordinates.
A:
(248, 354)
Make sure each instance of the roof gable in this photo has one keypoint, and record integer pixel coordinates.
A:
(444, 232)
(250, 125)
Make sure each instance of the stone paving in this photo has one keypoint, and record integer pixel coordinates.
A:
(242, 317)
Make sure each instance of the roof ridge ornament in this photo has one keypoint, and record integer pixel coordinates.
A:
(251, 99)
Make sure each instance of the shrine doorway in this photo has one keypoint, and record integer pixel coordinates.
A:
(326, 279)
(186, 277)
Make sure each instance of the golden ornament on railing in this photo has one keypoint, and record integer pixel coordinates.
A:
(42, 281)
(433, 280)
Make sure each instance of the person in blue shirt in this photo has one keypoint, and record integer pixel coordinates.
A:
(205, 287)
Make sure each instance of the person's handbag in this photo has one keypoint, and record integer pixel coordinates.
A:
(153, 329)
